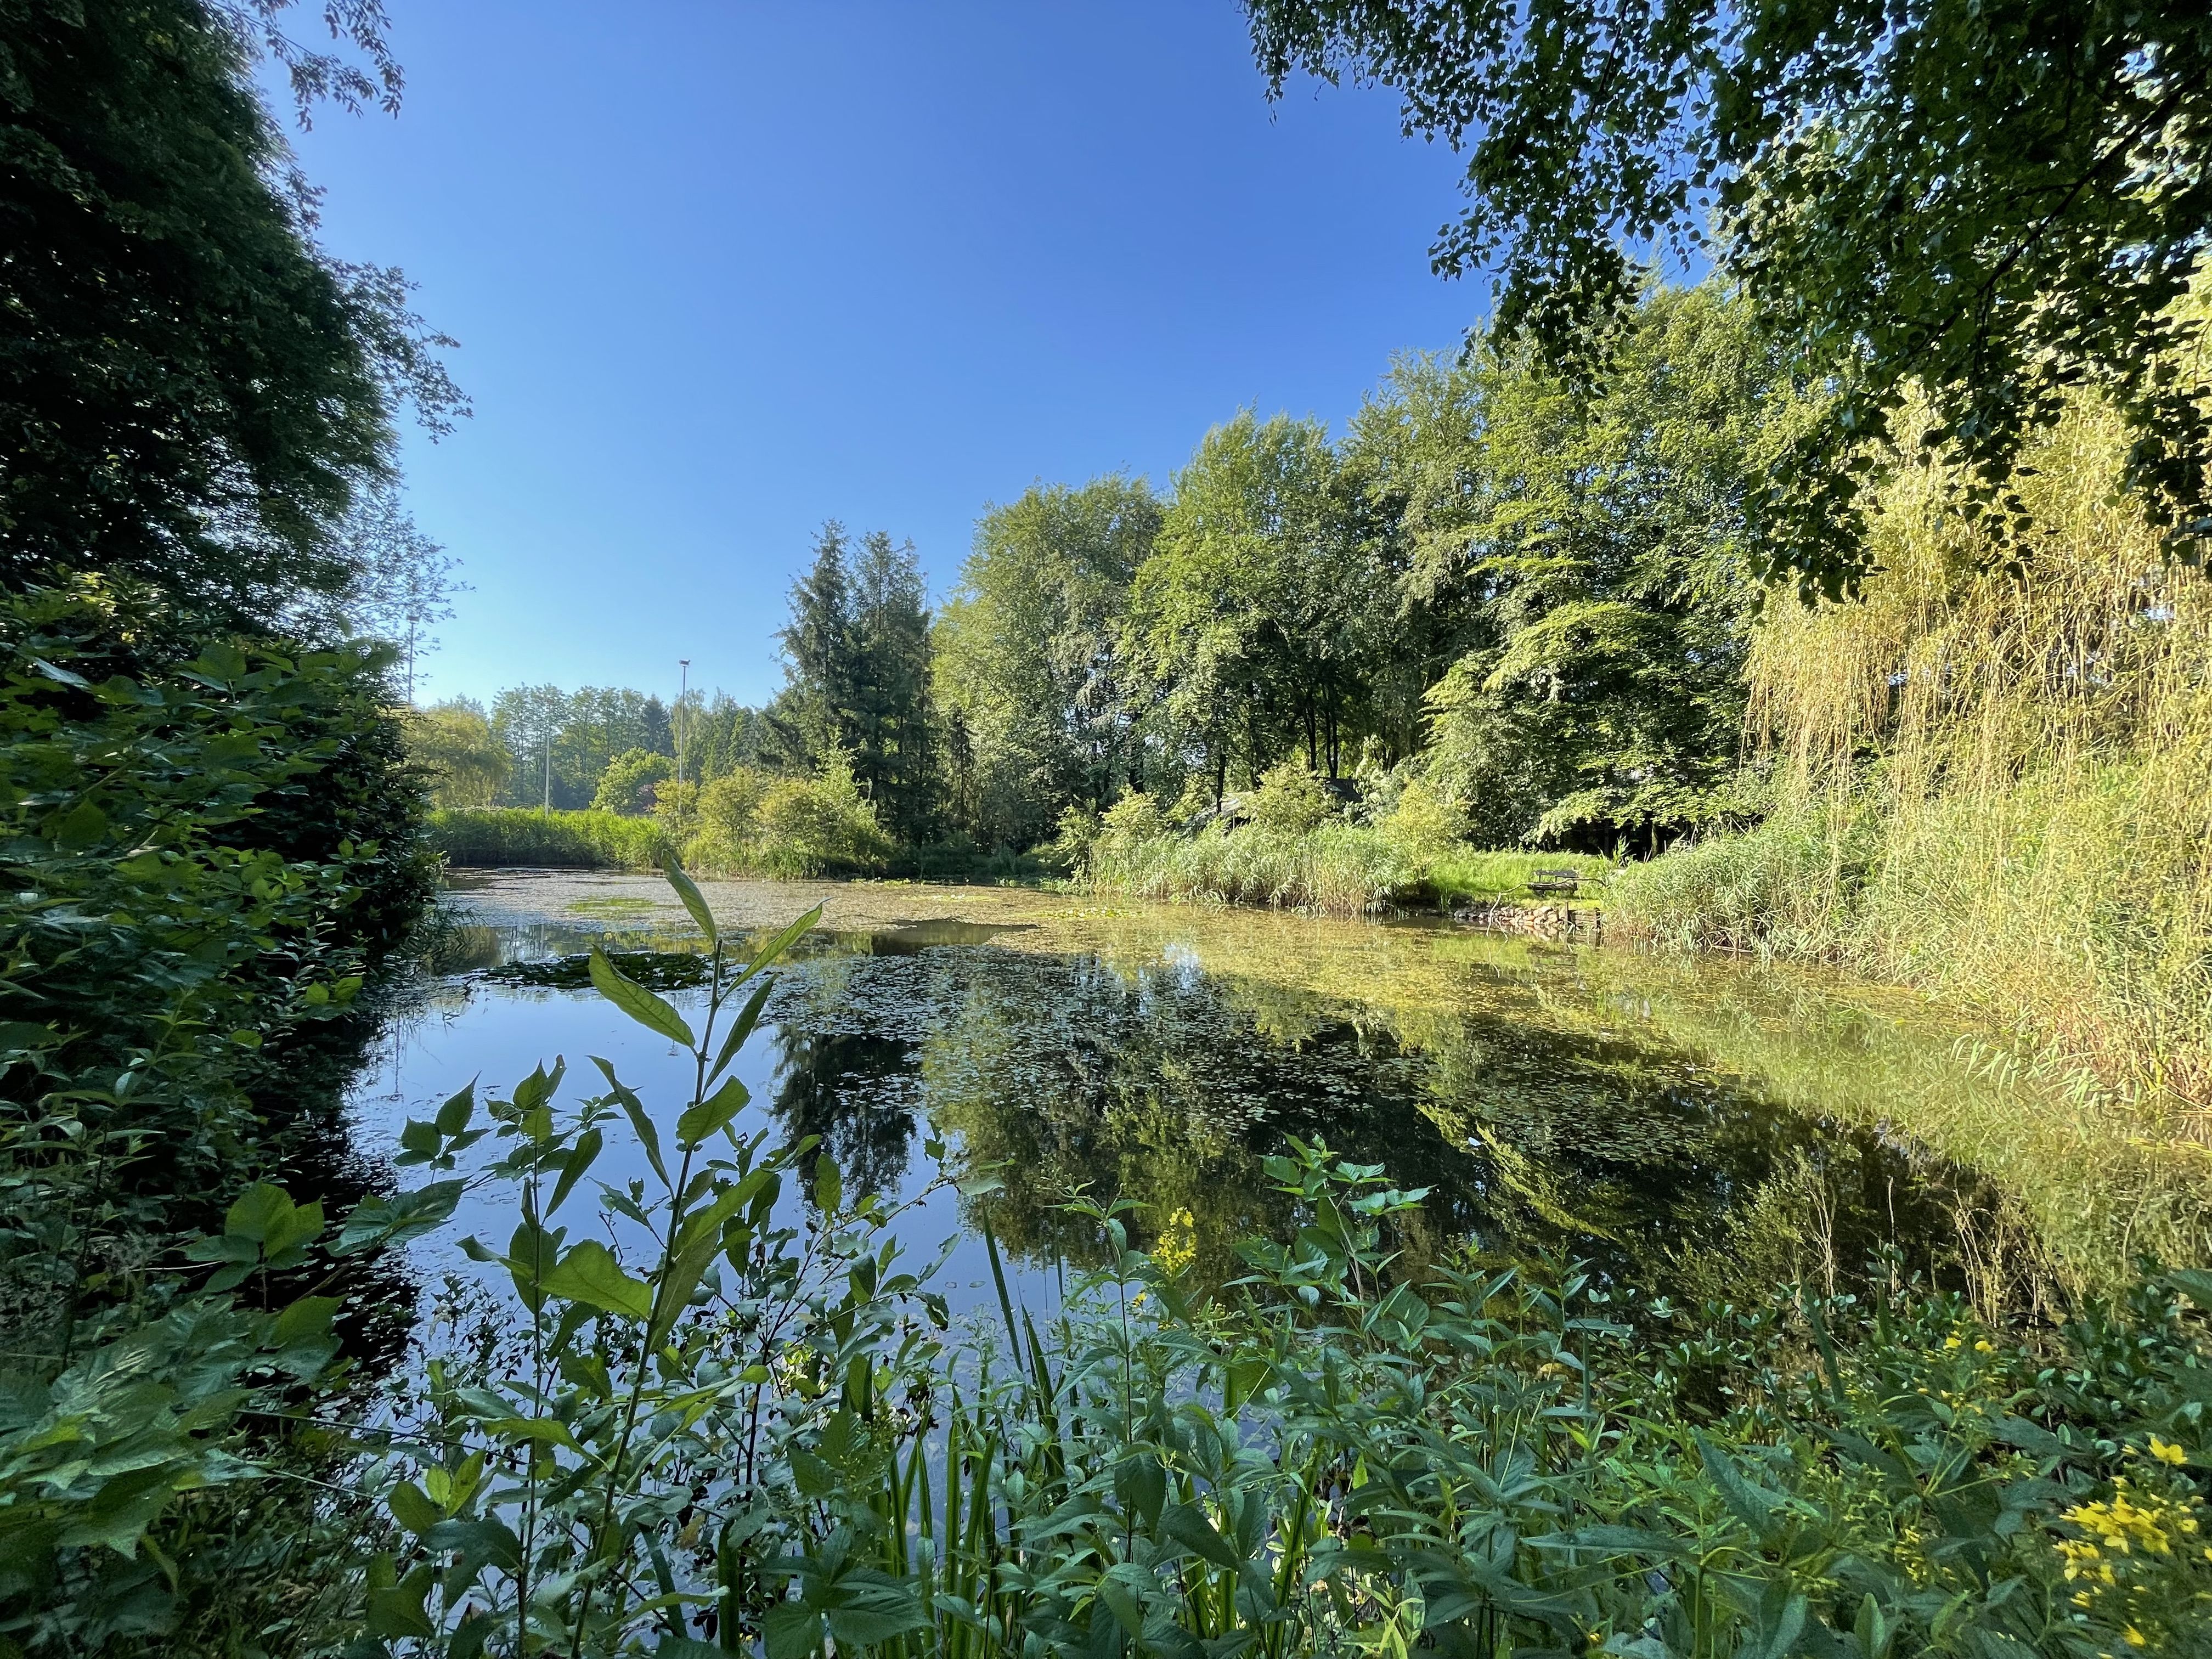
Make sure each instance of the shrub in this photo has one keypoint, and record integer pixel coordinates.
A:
(819, 826)
(1290, 797)
(627, 786)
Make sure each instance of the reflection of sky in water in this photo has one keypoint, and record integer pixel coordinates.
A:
(1143, 1074)
(497, 1034)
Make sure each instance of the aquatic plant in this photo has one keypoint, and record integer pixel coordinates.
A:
(727, 1432)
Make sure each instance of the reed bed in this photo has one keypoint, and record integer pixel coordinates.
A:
(519, 836)
(1993, 781)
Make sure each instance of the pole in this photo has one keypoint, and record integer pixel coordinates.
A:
(683, 726)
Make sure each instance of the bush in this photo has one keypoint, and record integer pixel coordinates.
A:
(1290, 797)
(519, 836)
(627, 786)
(210, 844)
(818, 826)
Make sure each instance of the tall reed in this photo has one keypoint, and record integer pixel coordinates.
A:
(1993, 778)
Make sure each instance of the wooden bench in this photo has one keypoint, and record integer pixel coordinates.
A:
(1555, 881)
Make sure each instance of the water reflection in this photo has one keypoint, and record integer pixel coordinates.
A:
(1542, 1097)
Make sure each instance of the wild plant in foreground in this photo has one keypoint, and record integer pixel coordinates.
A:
(720, 1432)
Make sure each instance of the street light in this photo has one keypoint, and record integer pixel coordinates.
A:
(682, 726)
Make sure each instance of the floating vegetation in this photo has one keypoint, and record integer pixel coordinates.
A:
(657, 970)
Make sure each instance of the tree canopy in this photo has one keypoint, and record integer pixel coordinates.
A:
(190, 392)
(1994, 200)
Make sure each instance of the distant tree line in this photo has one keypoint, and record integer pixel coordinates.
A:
(1536, 600)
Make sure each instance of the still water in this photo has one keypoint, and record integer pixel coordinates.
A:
(1700, 1130)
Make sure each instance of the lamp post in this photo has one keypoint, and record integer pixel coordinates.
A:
(683, 726)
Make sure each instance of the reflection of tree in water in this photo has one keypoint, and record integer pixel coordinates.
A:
(857, 1092)
(1168, 1086)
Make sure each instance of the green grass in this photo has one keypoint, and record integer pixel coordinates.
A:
(1337, 868)
(519, 836)
(1464, 875)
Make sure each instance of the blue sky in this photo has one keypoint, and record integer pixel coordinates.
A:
(721, 271)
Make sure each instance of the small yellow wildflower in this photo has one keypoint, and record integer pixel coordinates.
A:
(2135, 1637)
(1985, 1346)
(1178, 1244)
(2166, 1452)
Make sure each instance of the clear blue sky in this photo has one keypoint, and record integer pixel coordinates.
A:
(721, 271)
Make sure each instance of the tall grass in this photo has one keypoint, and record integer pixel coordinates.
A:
(1336, 868)
(519, 836)
(1992, 783)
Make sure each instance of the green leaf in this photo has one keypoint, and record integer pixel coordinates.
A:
(693, 900)
(1187, 1526)
(748, 1018)
(648, 1135)
(291, 1231)
(398, 1612)
(590, 1274)
(380, 1221)
(84, 825)
(790, 1630)
(640, 1004)
(578, 1160)
(411, 1507)
(258, 1207)
(782, 942)
(1748, 1503)
(829, 1185)
(305, 1320)
(715, 1113)
(454, 1116)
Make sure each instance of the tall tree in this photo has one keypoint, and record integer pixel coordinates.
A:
(813, 714)
(1591, 562)
(889, 687)
(1996, 200)
(1043, 708)
(1260, 612)
(189, 394)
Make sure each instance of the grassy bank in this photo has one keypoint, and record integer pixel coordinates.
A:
(1338, 869)
(1993, 785)
(515, 835)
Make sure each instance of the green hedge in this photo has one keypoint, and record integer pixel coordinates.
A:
(518, 835)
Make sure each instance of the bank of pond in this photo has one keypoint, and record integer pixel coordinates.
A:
(995, 1270)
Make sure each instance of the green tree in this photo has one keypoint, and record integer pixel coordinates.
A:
(1260, 613)
(1589, 560)
(1043, 710)
(813, 714)
(1994, 200)
(626, 784)
(190, 393)
(453, 742)
(889, 686)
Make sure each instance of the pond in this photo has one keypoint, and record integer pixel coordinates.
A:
(1701, 1129)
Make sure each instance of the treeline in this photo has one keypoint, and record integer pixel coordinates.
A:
(1533, 605)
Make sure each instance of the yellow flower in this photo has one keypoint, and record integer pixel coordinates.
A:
(1178, 1246)
(1985, 1346)
(2135, 1637)
(2166, 1452)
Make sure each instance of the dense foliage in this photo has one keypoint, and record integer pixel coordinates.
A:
(1516, 615)
(1336, 1450)
(1998, 202)
(212, 838)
